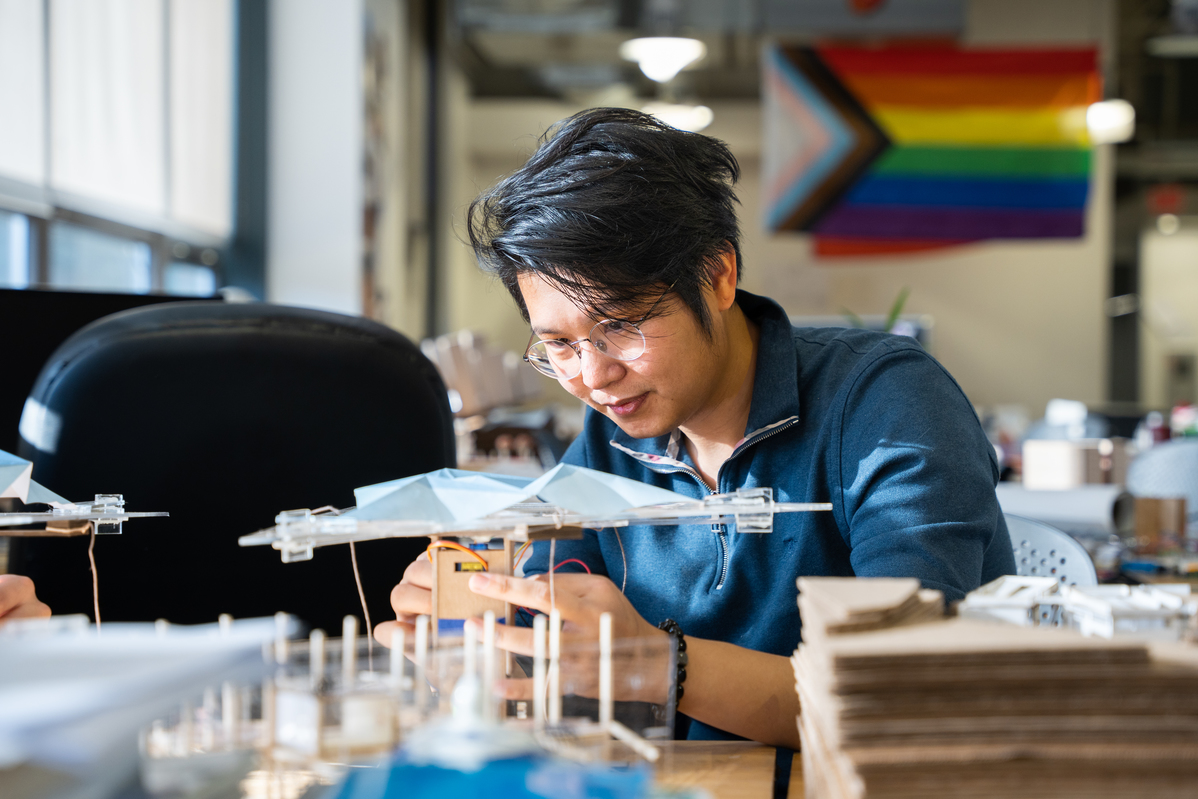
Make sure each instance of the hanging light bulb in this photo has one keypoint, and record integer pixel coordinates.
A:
(1111, 121)
(663, 57)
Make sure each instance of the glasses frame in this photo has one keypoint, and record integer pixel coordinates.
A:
(576, 345)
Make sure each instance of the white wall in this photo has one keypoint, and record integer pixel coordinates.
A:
(1169, 306)
(314, 192)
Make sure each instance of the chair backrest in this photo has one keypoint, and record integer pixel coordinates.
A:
(1168, 470)
(224, 415)
(1044, 551)
(34, 323)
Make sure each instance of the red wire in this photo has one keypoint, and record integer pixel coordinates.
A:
(531, 612)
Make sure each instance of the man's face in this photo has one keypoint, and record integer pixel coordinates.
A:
(668, 385)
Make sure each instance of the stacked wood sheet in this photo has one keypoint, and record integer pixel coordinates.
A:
(898, 701)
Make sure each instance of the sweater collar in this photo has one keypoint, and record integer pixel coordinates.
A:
(775, 397)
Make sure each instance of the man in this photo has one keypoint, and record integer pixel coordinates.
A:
(620, 244)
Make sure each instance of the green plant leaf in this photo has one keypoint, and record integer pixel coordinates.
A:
(896, 310)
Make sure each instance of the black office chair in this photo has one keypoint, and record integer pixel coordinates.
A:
(224, 415)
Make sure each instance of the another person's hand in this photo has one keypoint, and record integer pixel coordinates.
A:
(411, 598)
(18, 599)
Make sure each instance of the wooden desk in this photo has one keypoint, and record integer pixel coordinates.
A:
(725, 769)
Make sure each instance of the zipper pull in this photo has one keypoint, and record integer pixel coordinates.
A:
(718, 529)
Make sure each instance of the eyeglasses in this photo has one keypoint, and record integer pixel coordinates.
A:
(615, 338)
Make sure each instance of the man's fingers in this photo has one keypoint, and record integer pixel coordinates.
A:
(529, 593)
(419, 572)
(411, 600)
(384, 631)
(28, 610)
(15, 590)
(517, 689)
(517, 640)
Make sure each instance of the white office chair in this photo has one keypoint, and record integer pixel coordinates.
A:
(1044, 551)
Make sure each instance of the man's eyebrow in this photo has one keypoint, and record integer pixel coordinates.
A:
(544, 331)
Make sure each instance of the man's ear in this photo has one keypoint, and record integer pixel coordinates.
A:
(724, 279)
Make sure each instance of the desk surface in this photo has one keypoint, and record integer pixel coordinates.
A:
(725, 769)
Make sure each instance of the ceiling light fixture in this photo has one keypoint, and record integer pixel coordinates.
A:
(1111, 121)
(692, 118)
(663, 57)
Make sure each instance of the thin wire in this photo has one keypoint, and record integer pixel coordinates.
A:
(458, 547)
(519, 552)
(573, 560)
(353, 558)
(623, 559)
(91, 556)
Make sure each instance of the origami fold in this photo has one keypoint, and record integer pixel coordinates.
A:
(456, 496)
(16, 481)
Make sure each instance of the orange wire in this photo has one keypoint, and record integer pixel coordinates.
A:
(459, 547)
(519, 552)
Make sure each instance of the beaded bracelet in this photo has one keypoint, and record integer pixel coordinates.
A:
(671, 627)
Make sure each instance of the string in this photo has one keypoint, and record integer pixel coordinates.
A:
(573, 560)
(623, 559)
(91, 556)
(353, 559)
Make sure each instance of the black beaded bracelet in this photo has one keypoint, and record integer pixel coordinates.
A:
(671, 627)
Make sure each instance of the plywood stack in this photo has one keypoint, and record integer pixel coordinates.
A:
(895, 705)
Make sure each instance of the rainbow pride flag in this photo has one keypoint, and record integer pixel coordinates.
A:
(981, 144)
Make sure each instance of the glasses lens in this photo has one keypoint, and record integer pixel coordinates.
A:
(621, 340)
(555, 359)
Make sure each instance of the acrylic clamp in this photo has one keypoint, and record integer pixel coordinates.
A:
(107, 513)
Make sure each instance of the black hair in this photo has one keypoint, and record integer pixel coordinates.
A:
(613, 206)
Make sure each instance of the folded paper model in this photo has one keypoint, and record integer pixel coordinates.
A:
(484, 515)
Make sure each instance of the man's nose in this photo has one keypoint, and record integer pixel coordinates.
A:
(599, 370)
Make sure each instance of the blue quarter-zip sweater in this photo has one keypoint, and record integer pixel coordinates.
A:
(867, 421)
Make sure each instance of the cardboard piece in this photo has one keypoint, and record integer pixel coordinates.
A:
(897, 705)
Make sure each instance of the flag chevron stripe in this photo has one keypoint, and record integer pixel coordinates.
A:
(803, 103)
(825, 140)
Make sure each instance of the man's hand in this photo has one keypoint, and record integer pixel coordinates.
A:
(581, 599)
(18, 600)
(411, 598)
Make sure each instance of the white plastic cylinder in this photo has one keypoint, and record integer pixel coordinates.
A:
(539, 625)
(605, 675)
(555, 666)
(349, 651)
